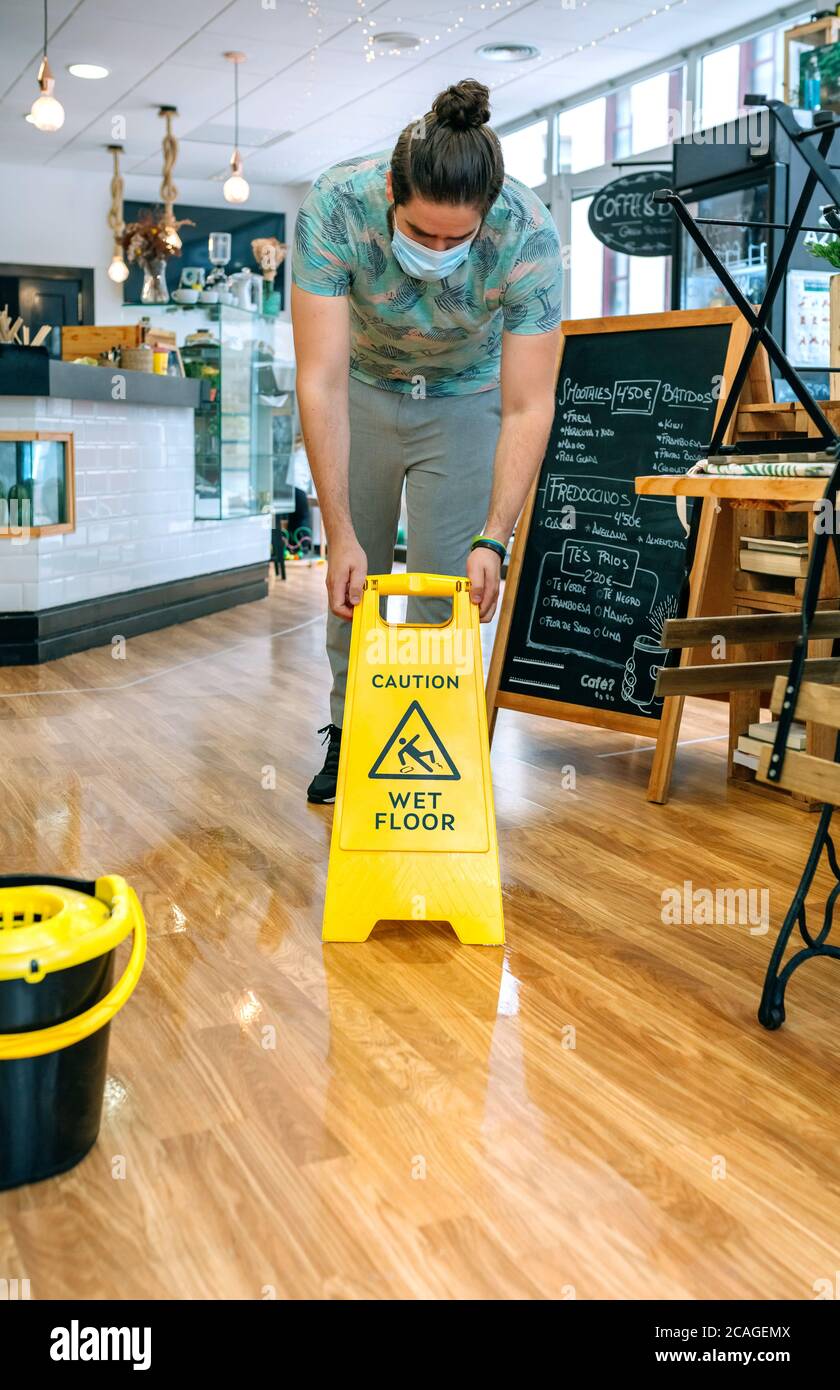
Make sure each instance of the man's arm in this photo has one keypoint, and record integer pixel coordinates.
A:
(322, 350)
(529, 370)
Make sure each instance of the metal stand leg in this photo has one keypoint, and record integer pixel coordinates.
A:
(771, 1011)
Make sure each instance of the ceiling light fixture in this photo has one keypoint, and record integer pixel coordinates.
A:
(236, 189)
(508, 52)
(92, 71)
(47, 111)
(396, 42)
(117, 270)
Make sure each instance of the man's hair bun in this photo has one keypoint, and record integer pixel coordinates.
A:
(466, 106)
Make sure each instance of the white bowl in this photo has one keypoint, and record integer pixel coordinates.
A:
(184, 296)
(209, 297)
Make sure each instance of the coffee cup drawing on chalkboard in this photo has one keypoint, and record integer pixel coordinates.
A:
(638, 685)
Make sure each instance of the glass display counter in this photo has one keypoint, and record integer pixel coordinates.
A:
(245, 424)
(37, 489)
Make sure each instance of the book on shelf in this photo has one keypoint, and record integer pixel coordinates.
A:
(774, 543)
(754, 746)
(745, 760)
(765, 731)
(764, 562)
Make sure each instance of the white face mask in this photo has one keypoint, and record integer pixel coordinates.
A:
(422, 263)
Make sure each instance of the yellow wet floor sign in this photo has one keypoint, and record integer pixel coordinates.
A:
(414, 833)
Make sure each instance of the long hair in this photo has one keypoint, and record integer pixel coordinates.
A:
(451, 155)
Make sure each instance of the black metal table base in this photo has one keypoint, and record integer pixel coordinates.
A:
(771, 1010)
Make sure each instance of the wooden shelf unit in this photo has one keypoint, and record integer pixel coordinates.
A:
(752, 506)
(753, 593)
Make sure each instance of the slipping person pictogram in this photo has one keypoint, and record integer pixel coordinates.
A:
(420, 757)
(415, 750)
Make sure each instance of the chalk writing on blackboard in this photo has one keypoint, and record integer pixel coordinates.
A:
(603, 568)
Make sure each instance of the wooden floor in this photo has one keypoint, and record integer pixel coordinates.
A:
(592, 1112)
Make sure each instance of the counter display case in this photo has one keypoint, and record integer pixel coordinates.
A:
(246, 420)
(37, 489)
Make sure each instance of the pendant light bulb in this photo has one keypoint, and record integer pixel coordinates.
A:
(118, 270)
(47, 112)
(236, 188)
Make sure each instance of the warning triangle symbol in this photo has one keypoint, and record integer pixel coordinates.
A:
(414, 752)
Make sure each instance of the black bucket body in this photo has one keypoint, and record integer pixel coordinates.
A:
(51, 1106)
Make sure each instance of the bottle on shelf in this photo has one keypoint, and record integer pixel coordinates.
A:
(20, 493)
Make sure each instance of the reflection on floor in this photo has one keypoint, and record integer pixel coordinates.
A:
(593, 1112)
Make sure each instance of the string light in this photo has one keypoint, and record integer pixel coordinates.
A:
(371, 51)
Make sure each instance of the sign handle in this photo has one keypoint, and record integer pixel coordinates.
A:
(419, 585)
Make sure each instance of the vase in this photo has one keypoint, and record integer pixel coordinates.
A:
(155, 289)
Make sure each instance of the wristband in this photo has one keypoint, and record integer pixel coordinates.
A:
(488, 543)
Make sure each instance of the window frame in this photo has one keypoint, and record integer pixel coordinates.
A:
(560, 189)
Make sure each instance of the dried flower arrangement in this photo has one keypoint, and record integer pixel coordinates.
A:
(150, 238)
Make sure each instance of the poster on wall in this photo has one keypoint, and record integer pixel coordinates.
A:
(807, 317)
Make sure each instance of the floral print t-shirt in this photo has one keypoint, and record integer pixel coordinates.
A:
(446, 334)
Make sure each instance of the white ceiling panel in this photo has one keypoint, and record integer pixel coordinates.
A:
(291, 20)
(185, 15)
(206, 51)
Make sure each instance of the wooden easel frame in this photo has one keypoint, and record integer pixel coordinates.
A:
(665, 729)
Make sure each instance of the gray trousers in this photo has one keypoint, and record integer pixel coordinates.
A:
(442, 448)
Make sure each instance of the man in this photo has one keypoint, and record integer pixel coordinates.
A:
(425, 304)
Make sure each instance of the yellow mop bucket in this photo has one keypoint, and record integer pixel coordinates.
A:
(57, 942)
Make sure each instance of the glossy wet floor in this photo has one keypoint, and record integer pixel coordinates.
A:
(592, 1111)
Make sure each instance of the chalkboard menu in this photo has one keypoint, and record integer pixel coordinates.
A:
(602, 568)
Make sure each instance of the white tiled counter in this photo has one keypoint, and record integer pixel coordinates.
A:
(137, 559)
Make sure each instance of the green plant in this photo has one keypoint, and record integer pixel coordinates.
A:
(829, 251)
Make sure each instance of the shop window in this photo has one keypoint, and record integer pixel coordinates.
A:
(649, 287)
(649, 113)
(616, 287)
(586, 268)
(581, 137)
(604, 282)
(727, 76)
(645, 116)
(762, 65)
(619, 125)
(526, 153)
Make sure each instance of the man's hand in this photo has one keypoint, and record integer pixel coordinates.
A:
(346, 574)
(484, 571)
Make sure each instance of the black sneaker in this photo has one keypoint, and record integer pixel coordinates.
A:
(322, 788)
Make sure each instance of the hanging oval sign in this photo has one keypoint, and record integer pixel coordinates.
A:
(625, 218)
